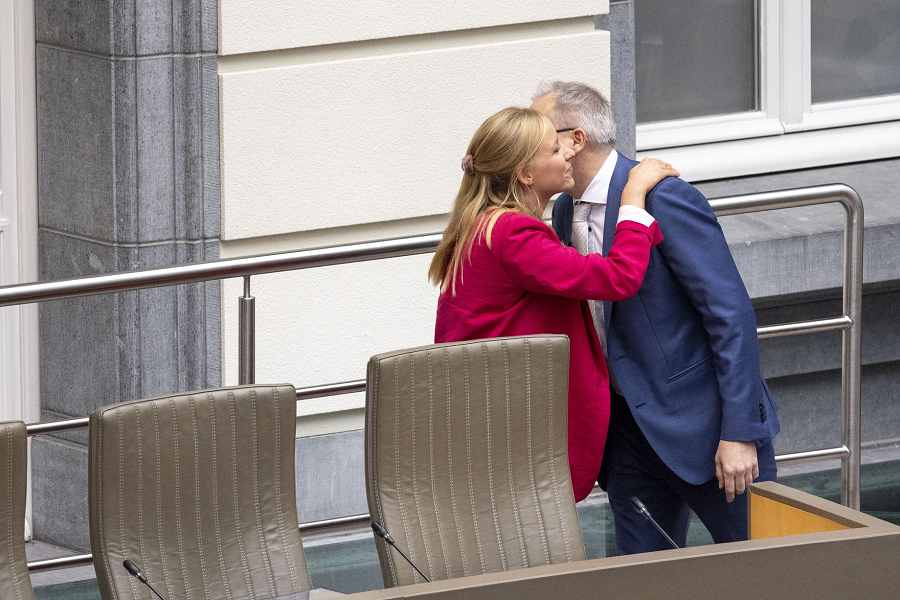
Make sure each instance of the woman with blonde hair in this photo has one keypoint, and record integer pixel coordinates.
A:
(503, 272)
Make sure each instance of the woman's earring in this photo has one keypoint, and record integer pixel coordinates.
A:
(537, 199)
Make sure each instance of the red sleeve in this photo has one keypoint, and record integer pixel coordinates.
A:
(533, 257)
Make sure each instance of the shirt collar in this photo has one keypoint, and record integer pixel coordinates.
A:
(598, 189)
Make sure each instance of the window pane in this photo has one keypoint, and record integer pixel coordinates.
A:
(695, 59)
(855, 49)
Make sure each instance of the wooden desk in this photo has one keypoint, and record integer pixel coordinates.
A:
(840, 554)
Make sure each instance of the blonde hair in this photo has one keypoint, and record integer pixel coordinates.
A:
(504, 143)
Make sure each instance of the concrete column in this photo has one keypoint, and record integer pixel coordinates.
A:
(620, 24)
(128, 178)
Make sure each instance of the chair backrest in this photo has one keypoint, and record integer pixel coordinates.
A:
(466, 457)
(198, 490)
(15, 583)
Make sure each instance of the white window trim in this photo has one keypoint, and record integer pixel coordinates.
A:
(848, 112)
(794, 57)
(19, 155)
(703, 130)
(764, 122)
(786, 108)
(801, 150)
(799, 111)
(19, 355)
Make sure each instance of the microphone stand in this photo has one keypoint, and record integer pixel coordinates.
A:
(642, 510)
(383, 533)
(135, 571)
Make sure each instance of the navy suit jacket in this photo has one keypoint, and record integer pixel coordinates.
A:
(684, 351)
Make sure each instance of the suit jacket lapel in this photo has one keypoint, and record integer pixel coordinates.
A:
(613, 201)
(563, 210)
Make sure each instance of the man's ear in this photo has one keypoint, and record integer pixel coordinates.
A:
(579, 140)
(524, 175)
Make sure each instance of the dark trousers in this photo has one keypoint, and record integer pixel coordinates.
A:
(631, 468)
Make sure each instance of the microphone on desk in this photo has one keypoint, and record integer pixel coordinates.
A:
(135, 571)
(642, 510)
(383, 533)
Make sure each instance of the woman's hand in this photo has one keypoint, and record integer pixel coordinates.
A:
(642, 179)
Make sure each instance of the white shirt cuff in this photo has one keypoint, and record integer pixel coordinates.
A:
(628, 212)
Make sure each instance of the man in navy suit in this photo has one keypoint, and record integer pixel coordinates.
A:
(692, 419)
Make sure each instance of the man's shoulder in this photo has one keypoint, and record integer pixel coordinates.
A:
(676, 186)
(670, 185)
(676, 194)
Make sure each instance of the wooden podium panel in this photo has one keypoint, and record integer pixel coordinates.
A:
(778, 511)
(841, 554)
(774, 519)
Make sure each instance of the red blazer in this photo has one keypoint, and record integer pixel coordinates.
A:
(526, 283)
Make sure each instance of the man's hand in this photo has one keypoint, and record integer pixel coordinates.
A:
(736, 467)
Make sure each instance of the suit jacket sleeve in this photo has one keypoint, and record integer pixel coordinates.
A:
(533, 258)
(698, 256)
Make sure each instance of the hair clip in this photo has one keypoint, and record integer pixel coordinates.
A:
(468, 164)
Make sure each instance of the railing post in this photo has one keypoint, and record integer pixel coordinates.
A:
(851, 352)
(247, 336)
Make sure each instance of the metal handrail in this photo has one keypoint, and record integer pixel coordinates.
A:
(228, 268)
(848, 323)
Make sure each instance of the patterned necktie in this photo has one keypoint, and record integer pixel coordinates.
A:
(586, 244)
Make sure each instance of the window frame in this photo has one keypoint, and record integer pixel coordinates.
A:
(748, 124)
(786, 107)
(818, 115)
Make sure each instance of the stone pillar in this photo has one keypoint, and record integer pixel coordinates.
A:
(620, 24)
(128, 178)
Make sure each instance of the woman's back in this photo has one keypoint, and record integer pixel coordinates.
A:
(489, 301)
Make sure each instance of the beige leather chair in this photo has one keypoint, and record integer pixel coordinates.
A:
(15, 583)
(466, 459)
(198, 490)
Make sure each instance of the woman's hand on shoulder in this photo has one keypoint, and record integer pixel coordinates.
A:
(650, 172)
(643, 178)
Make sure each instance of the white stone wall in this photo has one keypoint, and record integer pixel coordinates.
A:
(346, 122)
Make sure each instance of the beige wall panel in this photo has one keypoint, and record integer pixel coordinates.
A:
(261, 25)
(374, 139)
(322, 325)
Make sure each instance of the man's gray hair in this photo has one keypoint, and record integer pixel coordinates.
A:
(580, 105)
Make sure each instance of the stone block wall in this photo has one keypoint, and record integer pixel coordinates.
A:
(128, 178)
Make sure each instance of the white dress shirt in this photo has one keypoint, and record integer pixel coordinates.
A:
(588, 220)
